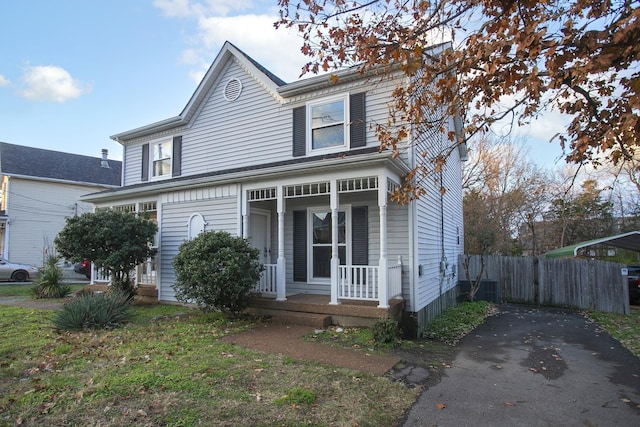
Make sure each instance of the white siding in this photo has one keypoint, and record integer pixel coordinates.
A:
(37, 211)
(439, 226)
(219, 210)
(254, 129)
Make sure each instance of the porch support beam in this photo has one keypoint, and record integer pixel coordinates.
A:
(335, 257)
(245, 214)
(383, 267)
(281, 282)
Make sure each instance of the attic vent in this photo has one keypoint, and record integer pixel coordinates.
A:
(232, 89)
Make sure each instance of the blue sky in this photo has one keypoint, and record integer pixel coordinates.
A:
(74, 72)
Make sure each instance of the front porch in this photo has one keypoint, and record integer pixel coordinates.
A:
(315, 310)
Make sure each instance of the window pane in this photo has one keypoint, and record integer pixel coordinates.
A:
(322, 261)
(161, 167)
(342, 229)
(327, 125)
(327, 114)
(162, 151)
(322, 228)
(330, 136)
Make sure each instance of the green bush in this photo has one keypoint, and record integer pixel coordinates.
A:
(386, 331)
(49, 284)
(458, 321)
(93, 311)
(217, 271)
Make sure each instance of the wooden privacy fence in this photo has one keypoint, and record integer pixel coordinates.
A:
(578, 283)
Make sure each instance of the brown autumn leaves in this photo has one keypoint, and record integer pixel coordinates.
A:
(508, 60)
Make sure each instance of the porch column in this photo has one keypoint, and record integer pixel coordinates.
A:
(281, 293)
(245, 214)
(335, 257)
(383, 269)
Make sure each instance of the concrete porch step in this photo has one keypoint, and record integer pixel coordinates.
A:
(319, 321)
(285, 317)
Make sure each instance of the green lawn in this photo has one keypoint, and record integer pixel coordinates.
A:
(10, 290)
(625, 329)
(168, 367)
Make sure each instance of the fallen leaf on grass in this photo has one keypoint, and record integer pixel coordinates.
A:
(440, 405)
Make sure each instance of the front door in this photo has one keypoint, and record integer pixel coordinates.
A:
(259, 234)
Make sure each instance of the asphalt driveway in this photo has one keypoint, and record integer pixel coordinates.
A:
(534, 367)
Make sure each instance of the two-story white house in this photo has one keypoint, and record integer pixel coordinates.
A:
(39, 190)
(296, 169)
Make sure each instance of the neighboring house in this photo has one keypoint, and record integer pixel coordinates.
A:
(296, 169)
(40, 190)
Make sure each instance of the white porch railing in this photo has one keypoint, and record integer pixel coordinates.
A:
(99, 275)
(358, 282)
(362, 281)
(267, 283)
(395, 279)
(355, 282)
(146, 272)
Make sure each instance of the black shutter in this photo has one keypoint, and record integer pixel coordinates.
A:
(300, 246)
(357, 116)
(299, 131)
(145, 162)
(360, 235)
(176, 168)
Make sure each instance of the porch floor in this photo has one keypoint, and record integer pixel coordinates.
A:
(315, 310)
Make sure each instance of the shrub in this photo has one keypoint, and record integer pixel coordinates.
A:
(386, 331)
(93, 311)
(217, 271)
(454, 323)
(49, 284)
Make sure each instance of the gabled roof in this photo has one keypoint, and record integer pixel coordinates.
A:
(18, 160)
(268, 80)
(630, 240)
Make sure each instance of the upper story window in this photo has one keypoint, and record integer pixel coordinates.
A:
(161, 159)
(327, 124)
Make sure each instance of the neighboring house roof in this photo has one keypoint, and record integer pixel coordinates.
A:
(630, 240)
(18, 160)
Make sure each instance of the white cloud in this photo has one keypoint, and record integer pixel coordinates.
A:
(189, 8)
(277, 50)
(51, 83)
(3, 81)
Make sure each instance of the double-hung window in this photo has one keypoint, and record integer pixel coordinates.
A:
(320, 241)
(161, 159)
(327, 124)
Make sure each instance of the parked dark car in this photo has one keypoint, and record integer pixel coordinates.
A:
(634, 283)
(83, 267)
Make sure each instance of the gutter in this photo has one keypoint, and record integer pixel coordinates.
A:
(249, 175)
(62, 181)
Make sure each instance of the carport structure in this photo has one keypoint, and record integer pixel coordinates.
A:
(630, 241)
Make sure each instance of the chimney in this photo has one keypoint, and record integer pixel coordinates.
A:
(105, 162)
